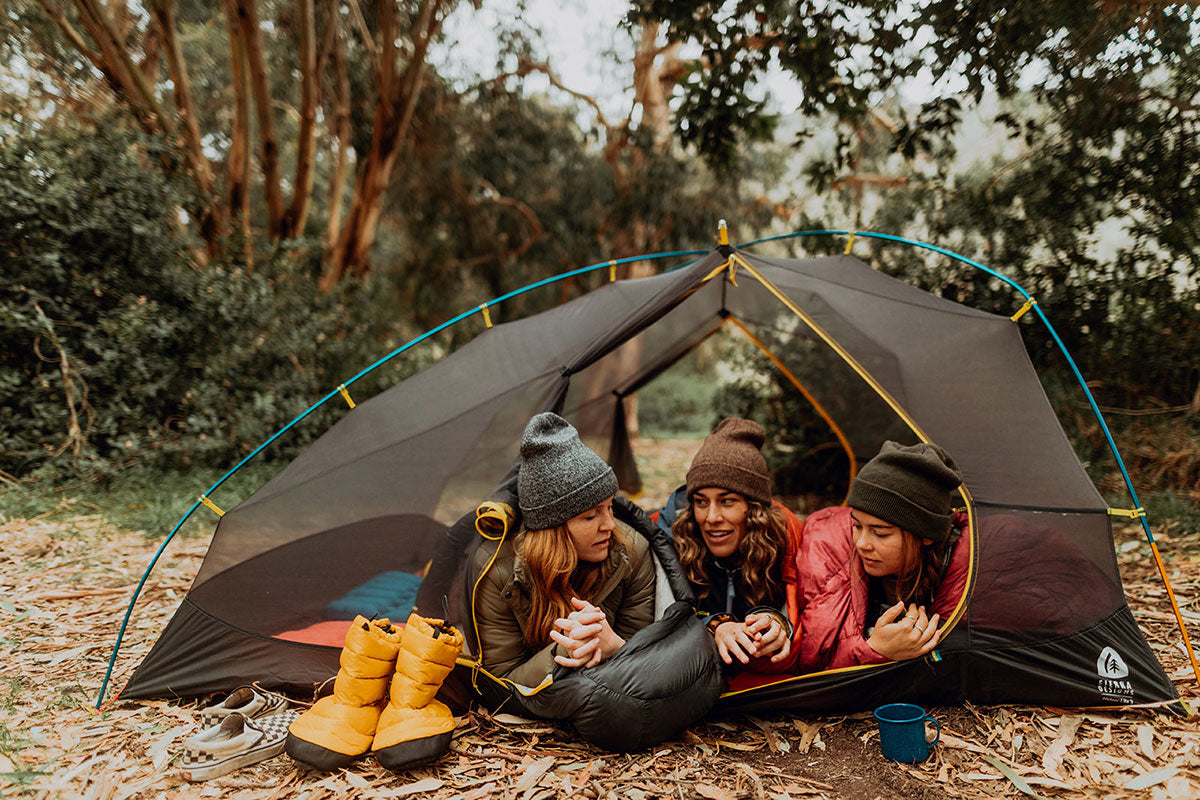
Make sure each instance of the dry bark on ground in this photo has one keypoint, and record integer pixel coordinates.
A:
(64, 584)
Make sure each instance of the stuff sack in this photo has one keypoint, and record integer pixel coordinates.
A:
(667, 676)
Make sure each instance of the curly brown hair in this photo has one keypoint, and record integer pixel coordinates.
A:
(556, 575)
(762, 551)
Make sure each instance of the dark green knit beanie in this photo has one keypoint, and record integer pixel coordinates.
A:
(909, 486)
(559, 477)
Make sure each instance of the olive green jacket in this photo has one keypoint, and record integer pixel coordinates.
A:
(502, 602)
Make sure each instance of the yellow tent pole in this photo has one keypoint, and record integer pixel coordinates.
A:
(1187, 642)
(841, 437)
(837, 348)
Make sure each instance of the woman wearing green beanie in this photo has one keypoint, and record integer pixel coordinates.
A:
(877, 575)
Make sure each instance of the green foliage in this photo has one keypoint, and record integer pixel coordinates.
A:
(680, 402)
(116, 348)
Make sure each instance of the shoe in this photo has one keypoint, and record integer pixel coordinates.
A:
(244, 700)
(340, 727)
(234, 742)
(415, 728)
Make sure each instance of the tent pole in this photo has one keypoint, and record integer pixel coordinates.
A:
(1112, 445)
(341, 390)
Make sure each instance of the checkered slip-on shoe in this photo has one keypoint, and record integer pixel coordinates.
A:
(244, 700)
(235, 742)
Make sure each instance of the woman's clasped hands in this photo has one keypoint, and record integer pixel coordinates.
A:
(905, 632)
(759, 636)
(585, 635)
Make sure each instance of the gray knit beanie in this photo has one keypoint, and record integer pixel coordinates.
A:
(559, 477)
(731, 458)
(909, 486)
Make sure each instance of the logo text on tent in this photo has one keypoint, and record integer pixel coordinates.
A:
(1112, 669)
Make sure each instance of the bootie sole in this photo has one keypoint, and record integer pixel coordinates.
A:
(317, 756)
(404, 755)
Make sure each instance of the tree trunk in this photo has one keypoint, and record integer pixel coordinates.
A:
(239, 147)
(247, 13)
(337, 182)
(393, 118)
(297, 215)
(210, 216)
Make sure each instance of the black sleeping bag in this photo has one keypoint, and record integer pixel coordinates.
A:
(667, 676)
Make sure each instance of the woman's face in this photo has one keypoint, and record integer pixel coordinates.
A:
(721, 516)
(880, 544)
(591, 532)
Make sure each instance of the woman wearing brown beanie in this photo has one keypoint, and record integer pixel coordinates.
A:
(737, 547)
(877, 575)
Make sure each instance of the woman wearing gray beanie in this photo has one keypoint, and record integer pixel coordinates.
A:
(576, 582)
(877, 575)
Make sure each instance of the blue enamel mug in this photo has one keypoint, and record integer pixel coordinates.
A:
(902, 732)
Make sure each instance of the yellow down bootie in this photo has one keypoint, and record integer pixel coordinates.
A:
(416, 728)
(340, 727)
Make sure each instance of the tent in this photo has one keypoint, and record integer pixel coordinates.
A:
(364, 519)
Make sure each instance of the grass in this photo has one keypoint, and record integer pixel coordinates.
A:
(140, 498)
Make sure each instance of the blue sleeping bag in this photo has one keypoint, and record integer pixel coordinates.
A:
(389, 594)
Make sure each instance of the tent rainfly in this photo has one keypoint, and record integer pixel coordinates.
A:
(362, 521)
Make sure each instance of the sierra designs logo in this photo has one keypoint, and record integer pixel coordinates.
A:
(1111, 665)
(1113, 672)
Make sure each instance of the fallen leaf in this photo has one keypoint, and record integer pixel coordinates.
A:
(357, 781)
(423, 785)
(738, 746)
(1148, 779)
(713, 792)
(533, 773)
(1146, 740)
(1013, 777)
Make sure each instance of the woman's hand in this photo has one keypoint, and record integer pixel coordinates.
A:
(734, 640)
(586, 636)
(769, 636)
(902, 633)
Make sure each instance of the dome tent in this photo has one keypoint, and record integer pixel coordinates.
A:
(1044, 619)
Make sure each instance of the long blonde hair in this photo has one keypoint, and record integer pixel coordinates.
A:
(762, 549)
(555, 576)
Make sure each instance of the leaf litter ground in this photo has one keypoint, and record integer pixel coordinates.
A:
(65, 581)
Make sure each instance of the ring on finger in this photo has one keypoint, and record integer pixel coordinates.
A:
(918, 628)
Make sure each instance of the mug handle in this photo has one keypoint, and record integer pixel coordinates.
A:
(938, 726)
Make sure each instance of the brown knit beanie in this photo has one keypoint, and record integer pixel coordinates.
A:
(731, 458)
(909, 486)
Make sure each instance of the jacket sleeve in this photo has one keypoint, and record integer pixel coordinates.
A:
(637, 604)
(502, 642)
(832, 630)
(954, 582)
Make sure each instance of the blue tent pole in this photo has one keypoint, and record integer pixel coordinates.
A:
(408, 345)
